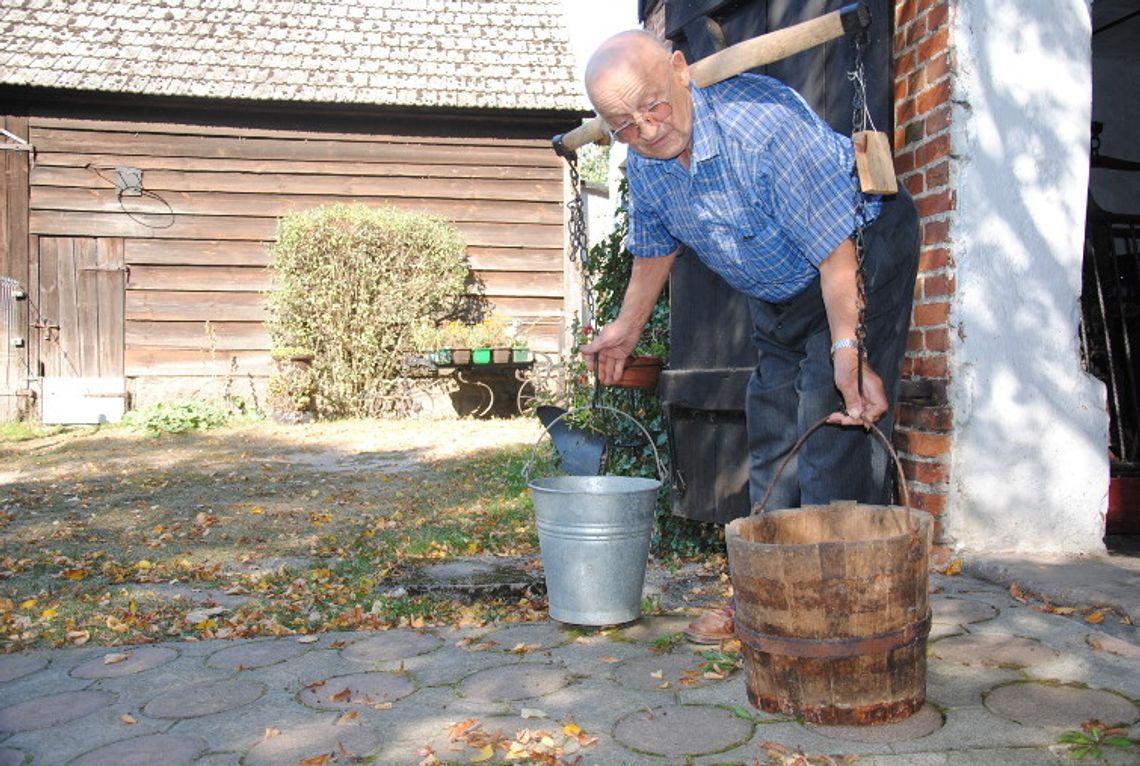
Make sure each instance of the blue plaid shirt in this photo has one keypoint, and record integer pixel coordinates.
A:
(768, 195)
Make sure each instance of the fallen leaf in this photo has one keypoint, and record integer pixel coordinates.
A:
(524, 648)
(609, 658)
(344, 695)
(128, 719)
(953, 568)
(79, 637)
(485, 753)
(458, 730)
(143, 564)
(47, 614)
(308, 639)
(529, 712)
(115, 657)
(270, 733)
(1095, 618)
(351, 715)
(1018, 593)
(28, 603)
(657, 674)
(571, 730)
(256, 510)
(317, 760)
(73, 574)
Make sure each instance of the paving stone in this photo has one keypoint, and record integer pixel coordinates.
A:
(204, 699)
(960, 611)
(951, 685)
(677, 731)
(649, 629)
(676, 670)
(314, 740)
(1103, 642)
(923, 723)
(1049, 706)
(444, 667)
(526, 680)
(167, 749)
(995, 650)
(391, 645)
(256, 654)
(139, 659)
(12, 757)
(358, 690)
(13, 666)
(53, 709)
(241, 728)
(544, 635)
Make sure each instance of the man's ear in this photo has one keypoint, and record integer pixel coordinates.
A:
(679, 67)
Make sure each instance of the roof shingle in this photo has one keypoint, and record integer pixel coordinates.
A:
(436, 53)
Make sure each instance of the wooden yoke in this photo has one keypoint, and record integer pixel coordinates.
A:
(741, 57)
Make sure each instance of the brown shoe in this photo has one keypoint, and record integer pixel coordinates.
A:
(713, 627)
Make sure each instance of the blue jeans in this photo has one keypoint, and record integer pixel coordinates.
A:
(793, 385)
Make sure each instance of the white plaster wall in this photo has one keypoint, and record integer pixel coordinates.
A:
(1029, 466)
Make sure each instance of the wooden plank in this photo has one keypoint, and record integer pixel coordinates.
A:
(167, 305)
(63, 222)
(70, 354)
(530, 307)
(503, 259)
(109, 254)
(402, 169)
(218, 278)
(521, 284)
(144, 361)
(87, 324)
(195, 252)
(260, 205)
(111, 292)
(206, 335)
(173, 128)
(272, 183)
(301, 147)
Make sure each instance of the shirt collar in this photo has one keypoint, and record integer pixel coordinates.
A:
(704, 127)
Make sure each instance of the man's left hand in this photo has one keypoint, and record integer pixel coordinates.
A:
(859, 408)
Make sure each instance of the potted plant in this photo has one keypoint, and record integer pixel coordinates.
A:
(293, 385)
(431, 341)
(482, 340)
(520, 345)
(644, 365)
(456, 338)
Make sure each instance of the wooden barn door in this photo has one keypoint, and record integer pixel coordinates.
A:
(82, 284)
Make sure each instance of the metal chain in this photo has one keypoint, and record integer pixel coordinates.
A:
(859, 120)
(579, 238)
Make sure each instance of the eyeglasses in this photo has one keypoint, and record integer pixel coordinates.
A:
(657, 113)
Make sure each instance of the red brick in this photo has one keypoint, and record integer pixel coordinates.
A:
(916, 80)
(904, 12)
(937, 68)
(931, 314)
(933, 97)
(914, 341)
(924, 6)
(935, 232)
(905, 111)
(938, 120)
(900, 89)
(923, 444)
(923, 472)
(913, 133)
(904, 162)
(937, 339)
(905, 370)
(937, 285)
(922, 418)
(938, 16)
(933, 259)
(914, 184)
(915, 31)
(936, 43)
(933, 150)
(933, 503)
(935, 203)
(934, 367)
(938, 175)
(905, 63)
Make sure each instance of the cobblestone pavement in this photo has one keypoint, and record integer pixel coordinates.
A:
(1004, 680)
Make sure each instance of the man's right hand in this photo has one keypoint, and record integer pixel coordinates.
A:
(607, 353)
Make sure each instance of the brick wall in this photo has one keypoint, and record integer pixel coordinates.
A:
(924, 61)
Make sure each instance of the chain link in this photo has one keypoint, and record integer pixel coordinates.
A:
(579, 240)
(859, 119)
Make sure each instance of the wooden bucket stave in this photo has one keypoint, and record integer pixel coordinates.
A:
(832, 610)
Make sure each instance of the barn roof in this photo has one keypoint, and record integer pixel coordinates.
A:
(494, 54)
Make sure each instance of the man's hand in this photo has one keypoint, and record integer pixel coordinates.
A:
(607, 352)
(857, 410)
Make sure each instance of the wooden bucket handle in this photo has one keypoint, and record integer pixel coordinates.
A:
(905, 492)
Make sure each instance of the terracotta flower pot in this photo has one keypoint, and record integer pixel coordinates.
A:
(641, 372)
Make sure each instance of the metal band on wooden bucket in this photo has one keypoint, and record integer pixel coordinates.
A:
(834, 648)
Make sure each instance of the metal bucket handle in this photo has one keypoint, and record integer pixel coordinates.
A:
(546, 431)
(904, 491)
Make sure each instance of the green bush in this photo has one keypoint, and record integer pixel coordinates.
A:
(350, 283)
(177, 417)
(609, 268)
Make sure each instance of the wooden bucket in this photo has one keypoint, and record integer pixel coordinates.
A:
(832, 607)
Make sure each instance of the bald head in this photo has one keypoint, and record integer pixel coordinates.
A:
(632, 53)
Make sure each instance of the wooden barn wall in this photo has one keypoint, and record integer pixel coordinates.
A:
(195, 243)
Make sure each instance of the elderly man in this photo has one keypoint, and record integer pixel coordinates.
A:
(764, 192)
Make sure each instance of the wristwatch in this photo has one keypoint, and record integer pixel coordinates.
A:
(844, 343)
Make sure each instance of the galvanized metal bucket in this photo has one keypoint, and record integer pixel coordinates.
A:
(594, 533)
